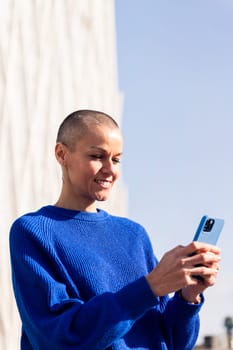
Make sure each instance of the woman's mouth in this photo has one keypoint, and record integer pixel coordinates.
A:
(103, 183)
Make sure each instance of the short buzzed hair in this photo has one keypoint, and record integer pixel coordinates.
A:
(78, 122)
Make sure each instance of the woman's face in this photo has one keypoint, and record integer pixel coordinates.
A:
(92, 167)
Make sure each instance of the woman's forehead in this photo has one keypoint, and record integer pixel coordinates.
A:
(100, 138)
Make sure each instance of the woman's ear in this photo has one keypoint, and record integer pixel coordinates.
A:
(60, 153)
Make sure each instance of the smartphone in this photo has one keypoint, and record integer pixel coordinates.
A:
(209, 230)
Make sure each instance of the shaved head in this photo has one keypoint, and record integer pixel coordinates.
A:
(78, 123)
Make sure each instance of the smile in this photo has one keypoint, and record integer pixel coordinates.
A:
(103, 183)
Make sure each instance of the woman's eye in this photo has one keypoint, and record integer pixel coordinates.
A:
(100, 157)
(96, 156)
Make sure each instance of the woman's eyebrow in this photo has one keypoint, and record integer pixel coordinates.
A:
(98, 148)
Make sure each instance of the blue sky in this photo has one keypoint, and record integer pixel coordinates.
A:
(175, 64)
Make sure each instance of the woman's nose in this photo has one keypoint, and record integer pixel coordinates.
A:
(108, 167)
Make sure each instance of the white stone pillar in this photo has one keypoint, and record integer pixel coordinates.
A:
(55, 57)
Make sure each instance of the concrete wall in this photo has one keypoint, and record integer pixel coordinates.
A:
(56, 56)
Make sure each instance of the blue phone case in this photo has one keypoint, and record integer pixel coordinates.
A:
(209, 230)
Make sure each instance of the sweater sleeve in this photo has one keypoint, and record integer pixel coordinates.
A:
(52, 319)
(181, 322)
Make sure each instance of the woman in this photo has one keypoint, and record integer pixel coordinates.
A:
(85, 279)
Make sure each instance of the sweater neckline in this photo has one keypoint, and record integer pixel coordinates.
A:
(77, 214)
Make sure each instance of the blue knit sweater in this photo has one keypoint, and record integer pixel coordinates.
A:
(79, 283)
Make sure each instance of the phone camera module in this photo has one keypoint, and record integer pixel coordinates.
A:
(208, 225)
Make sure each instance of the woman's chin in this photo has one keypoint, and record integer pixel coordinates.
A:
(100, 197)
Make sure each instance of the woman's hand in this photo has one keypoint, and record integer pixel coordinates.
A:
(191, 268)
